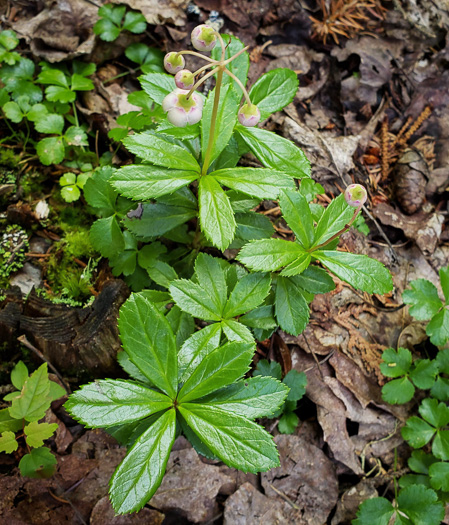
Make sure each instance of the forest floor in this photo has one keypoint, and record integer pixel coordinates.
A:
(372, 108)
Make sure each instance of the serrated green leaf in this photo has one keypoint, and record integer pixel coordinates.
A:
(215, 213)
(268, 369)
(159, 218)
(424, 299)
(248, 293)
(335, 217)
(421, 505)
(269, 254)
(440, 445)
(148, 182)
(19, 375)
(60, 94)
(9, 40)
(439, 476)
(252, 226)
(107, 237)
(237, 441)
(52, 76)
(182, 325)
(76, 136)
(112, 12)
(296, 213)
(374, 511)
(360, 271)
(288, 423)
(274, 90)
(297, 382)
(13, 112)
(80, 83)
(8, 442)
(157, 85)
(50, 150)
(444, 279)
(149, 341)
(33, 401)
(262, 183)
(315, 280)
(36, 433)
(440, 389)
(106, 30)
(211, 278)
(134, 22)
(398, 391)
(154, 149)
(99, 193)
(435, 413)
(193, 299)
(396, 364)
(218, 368)
(236, 331)
(275, 151)
(250, 398)
(261, 318)
(7, 422)
(39, 463)
(142, 54)
(423, 374)
(162, 273)
(438, 328)
(139, 475)
(292, 310)
(297, 267)
(420, 461)
(196, 347)
(239, 66)
(107, 403)
(417, 432)
(70, 193)
(224, 123)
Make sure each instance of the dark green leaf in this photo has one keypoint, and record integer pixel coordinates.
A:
(107, 237)
(424, 299)
(396, 364)
(417, 432)
(157, 85)
(423, 375)
(106, 29)
(435, 413)
(292, 310)
(268, 369)
(421, 505)
(253, 226)
(256, 182)
(297, 382)
(149, 341)
(195, 300)
(99, 193)
(296, 213)
(108, 402)
(39, 463)
(374, 511)
(182, 325)
(335, 217)
(152, 148)
(218, 368)
(237, 441)
(438, 328)
(315, 280)
(261, 318)
(134, 22)
(50, 124)
(274, 90)
(215, 213)
(211, 278)
(420, 461)
(398, 391)
(444, 279)
(248, 293)
(8, 423)
(139, 475)
(236, 331)
(360, 271)
(288, 423)
(269, 254)
(276, 152)
(439, 476)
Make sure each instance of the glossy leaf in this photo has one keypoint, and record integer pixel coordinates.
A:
(157, 85)
(195, 300)
(438, 328)
(19, 375)
(149, 341)
(236, 331)
(396, 364)
(423, 298)
(237, 441)
(36, 433)
(292, 310)
(248, 293)
(315, 280)
(33, 401)
(218, 368)
(335, 217)
(8, 442)
(211, 278)
(107, 403)
(269, 254)
(296, 212)
(139, 475)
(297, 382)
(107, 237)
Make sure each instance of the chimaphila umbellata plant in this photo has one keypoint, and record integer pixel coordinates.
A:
(192, 194)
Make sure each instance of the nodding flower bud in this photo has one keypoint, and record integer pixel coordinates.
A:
(355, 195)
(249, 115)
(181, 110)
(204, 38)
(184, 79)
(174, 62)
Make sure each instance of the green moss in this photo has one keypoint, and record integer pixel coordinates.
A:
(13, 246)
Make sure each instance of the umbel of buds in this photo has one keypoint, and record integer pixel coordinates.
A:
(183, 105)
(182, 109)
(355, 195)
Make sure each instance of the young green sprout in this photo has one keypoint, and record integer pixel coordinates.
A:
(204, 38)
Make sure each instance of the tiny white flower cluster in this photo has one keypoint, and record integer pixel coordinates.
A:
(183, 105)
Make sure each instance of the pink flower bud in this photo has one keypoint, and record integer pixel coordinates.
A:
(204, 38)
(249, 115)
(174, 62)
(355, 195)
(182, 111)
(184, 79)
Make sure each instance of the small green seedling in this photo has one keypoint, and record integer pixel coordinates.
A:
(8, 42)
(29, 403)
(198, 391)
(296, 382)
(71, 186)
(13, 246)
(112, 23)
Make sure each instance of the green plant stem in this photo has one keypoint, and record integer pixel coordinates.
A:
(213, 122)
(194, 53)
(200, 81)
(336, 235)
(9, 125)
(242, 87)
(75, 115)
(27, 136)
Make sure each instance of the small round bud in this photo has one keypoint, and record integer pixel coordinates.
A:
(174, 62)
(355, 195)
(249, 115)
(182, 111)
(204, 38)
(184, 79)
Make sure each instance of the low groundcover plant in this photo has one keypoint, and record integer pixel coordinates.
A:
(188, 381)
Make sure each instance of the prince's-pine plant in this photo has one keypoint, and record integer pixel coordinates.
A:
(193, 196)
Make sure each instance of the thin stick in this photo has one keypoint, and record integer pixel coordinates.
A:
(199, 55)
(23, 340)
(242, 87)
(235, 56)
